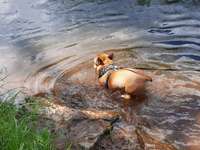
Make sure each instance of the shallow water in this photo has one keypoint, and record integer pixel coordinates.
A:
(49, 45)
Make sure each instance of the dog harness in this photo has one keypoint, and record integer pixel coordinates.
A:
(107, 69)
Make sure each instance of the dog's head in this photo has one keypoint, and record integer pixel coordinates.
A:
(103, 59)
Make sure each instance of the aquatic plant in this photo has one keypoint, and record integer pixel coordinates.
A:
(144, 2)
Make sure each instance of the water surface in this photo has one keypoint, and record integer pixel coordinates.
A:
(48, 44)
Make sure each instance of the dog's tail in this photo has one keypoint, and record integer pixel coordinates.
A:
(148, 78)
(139, 72)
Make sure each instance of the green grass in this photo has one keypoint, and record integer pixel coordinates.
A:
(18, 130)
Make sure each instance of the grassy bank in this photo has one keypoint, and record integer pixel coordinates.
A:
(18, 130)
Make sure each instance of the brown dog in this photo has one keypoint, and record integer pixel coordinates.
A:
(129, 81)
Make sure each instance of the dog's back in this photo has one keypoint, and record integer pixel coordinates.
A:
(131, 82)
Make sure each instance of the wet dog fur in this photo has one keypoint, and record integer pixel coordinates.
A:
(129, 81)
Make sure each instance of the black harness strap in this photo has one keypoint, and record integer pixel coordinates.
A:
(107, 69)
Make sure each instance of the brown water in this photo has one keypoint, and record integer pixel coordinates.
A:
(47, 46)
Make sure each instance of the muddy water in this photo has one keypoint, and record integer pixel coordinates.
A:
(47, 46)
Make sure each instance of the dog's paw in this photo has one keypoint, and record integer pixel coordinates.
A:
(126, 96)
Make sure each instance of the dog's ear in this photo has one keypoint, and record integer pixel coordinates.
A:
(98, 61)
(110, 56)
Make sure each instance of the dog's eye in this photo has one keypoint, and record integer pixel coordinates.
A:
(99, 61)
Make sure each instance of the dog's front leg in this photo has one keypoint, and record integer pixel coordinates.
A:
(103, 80)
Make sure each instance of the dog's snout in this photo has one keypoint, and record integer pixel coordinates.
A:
(94, 66)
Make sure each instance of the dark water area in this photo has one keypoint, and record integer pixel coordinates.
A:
(48, 46)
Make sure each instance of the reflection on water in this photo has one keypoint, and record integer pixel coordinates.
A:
(48, 45)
